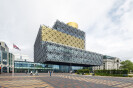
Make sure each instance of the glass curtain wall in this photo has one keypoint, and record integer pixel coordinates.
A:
(22, 67)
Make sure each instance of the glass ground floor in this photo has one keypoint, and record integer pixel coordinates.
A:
(23, 67)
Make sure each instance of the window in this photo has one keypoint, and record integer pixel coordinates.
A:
(4, 55)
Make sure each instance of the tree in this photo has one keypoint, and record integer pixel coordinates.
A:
(127, 64)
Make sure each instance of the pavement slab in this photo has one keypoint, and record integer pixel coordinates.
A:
(62, 80)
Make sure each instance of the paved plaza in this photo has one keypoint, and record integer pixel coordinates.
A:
(62, 80)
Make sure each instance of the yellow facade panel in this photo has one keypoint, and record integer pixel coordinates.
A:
(49, 34)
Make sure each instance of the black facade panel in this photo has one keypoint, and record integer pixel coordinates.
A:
(57, 53)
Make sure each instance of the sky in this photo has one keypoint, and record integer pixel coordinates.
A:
(108, 24)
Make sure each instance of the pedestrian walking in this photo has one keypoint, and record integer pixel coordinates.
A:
(26, 72)
(71, 72)
(50, 73)
(31, 73)
(36, 72)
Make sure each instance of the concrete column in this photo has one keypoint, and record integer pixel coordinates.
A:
(7, 69)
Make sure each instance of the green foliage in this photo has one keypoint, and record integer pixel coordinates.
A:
(130, 75)
(127, 64)
(111, 72)
(83, 71)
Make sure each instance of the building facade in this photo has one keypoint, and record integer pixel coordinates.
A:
(24, 66)
(109, 63)
(64, 44)
(6, 58)
(21, 57)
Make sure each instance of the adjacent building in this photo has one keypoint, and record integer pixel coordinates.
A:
(21, 57)
(109, 63)
(64, 44)
(6, 58)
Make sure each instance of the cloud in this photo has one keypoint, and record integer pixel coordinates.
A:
(107, 23)
(113, 32)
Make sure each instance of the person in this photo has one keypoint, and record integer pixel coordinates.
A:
(36, 72)
(26, 72)
(93, 74)
(71, 72)
(31, 73)
(50, 73)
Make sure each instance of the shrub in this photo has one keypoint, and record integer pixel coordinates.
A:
(82, 71)
(112, 72)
